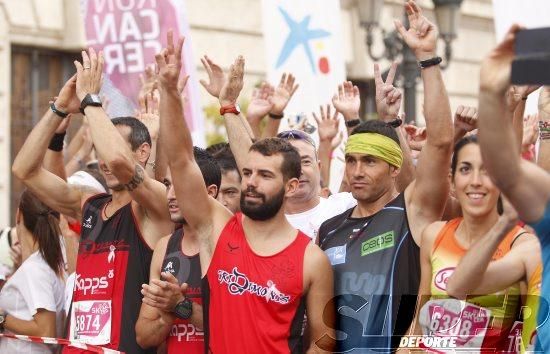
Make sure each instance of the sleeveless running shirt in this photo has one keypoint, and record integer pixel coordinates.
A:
(113, 262)
(482, 323)
(376, 267)
(184, 337)
(254, 304)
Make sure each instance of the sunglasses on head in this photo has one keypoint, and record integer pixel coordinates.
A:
(296, 135)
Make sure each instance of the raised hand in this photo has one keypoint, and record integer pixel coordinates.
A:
(327, 125)
(149, 114)
(216, 78)
(67, 101)
(260, 103)
(530, 130)
(509, 217)
(148, 81)
(421, 36)
(347, 101)
(465, 119)
(89, 74)
(388, 97)
(497, 66)
(234, 83)
(516, 94)
(416, 137)
(169, 63)
(283, 93)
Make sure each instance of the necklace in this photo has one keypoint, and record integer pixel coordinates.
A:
(105, 210)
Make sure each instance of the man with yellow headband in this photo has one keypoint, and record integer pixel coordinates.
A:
(374, 247)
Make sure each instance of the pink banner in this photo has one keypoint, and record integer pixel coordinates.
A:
(130, 33)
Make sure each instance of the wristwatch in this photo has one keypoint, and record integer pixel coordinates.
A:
(184, 309)
(232, 108)
(423, 64)
(90, 100)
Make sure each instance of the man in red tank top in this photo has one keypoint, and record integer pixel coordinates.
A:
(259, 272)
(119, 230)
(166, 313)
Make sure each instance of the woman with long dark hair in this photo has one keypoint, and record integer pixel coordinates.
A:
(481, 321)
(31, 301)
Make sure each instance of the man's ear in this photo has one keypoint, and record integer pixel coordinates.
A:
(394, 171)
(143, 153)
(212, 190)
(18, 216)
(291, 187)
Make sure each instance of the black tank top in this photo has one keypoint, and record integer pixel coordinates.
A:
(376, 267)
(184, 337)
(113, 262)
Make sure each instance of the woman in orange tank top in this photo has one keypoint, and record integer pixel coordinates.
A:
(481, 323)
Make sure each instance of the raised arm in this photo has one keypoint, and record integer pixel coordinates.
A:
(465, 122)
(347, 102)
(526, 185)
(53, 160)
(202, 212)
(281, 97)
(259, 106)
(150, 195)
(329, 139)
(388, 103)
(427, 195)
(27, 166)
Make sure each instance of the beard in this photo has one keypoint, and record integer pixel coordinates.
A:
(265, 210)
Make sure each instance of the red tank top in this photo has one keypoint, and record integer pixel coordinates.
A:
(254, 304)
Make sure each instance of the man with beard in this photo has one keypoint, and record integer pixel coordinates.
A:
(259, 272)
(374, 247)
(172, 312)
(119, 230)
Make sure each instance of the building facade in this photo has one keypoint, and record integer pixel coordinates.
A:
(40, 39)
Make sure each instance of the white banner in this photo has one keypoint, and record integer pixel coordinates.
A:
(304, 37)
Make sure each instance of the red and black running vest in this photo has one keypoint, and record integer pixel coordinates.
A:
(254, 304)
(113, 262)
(184, 337)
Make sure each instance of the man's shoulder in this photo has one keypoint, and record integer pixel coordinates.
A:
(333, 222)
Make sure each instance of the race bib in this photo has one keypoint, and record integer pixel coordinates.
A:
(465, 322)
(91, 322)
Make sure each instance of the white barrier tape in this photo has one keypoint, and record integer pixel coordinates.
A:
(60, 341)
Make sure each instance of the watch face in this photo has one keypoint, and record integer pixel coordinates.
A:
(184, 309)
(95, 98)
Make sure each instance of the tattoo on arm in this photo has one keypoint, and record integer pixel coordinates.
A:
(136, 179)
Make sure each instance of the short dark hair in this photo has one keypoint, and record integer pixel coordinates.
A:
(223, 154)
(139, 133)
(292, 164)
(470, 139)
(210, 169)
(378, 127)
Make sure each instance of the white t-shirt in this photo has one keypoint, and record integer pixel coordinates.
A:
(309, 221)
(33, 286)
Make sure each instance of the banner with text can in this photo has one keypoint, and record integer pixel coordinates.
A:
(130, 33)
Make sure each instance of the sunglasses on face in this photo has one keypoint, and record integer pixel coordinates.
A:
(296, 135)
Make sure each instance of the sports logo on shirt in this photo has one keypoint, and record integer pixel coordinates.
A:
(171, 265)
(238, 283)
(87, 223)
(441, 278)
(336, 255)
(378, 243)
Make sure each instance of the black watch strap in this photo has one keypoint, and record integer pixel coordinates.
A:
(276, 116)
(184, 309)
(90, 100)
(57, 111)
(353, 122)
(429, 62)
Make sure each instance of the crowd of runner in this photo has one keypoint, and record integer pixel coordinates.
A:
(131, 238)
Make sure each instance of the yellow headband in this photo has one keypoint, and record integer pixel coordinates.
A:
(376, 145)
